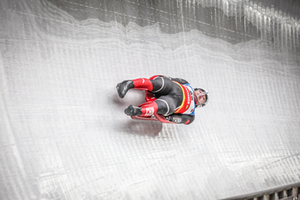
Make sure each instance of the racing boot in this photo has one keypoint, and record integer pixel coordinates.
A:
(123, 87)
(133, 111)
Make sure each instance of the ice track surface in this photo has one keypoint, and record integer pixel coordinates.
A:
(63, 133)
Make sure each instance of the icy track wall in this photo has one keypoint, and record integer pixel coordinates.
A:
(63, 131)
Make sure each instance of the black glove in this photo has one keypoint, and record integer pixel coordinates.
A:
(174, 119)
(169, 118)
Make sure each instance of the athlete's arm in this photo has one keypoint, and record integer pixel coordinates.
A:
(180, 118)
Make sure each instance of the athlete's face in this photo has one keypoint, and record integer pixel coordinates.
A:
(200, 96)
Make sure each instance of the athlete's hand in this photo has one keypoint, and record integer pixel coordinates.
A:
(174, 119)
(169, 118)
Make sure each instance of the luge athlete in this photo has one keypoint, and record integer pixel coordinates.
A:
(176, 99)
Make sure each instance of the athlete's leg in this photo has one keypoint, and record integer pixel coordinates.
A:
(164, 106)
(160, 85)
(123, 87)
(140, 83)
(145, 110)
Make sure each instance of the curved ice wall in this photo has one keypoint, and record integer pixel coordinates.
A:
(63, 131)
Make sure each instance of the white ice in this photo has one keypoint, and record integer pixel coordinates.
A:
(64, 132)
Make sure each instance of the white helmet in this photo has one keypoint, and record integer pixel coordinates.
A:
(206, 97)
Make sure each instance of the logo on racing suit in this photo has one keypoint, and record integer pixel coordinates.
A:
(188, 97)
(149, 111)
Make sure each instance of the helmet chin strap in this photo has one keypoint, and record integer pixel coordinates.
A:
(196, 102)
